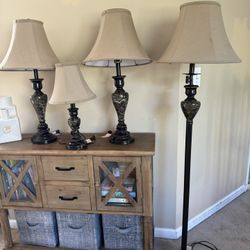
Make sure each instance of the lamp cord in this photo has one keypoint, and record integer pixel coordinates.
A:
(204, 243)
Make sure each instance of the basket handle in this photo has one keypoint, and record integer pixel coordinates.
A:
(76, 228)
(33, 225)
(123, 230)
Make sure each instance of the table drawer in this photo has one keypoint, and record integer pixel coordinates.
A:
(65, 168)
(68, 195)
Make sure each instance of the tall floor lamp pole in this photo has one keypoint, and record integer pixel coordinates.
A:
(190, 107)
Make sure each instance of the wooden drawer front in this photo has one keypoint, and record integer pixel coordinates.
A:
(65, 168)
(75, 196)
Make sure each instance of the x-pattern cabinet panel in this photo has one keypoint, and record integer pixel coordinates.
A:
(19, 181)
(118, 183)
(105, 178)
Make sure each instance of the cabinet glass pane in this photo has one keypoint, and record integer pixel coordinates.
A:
(20, 195)
(118, 182)
(11, 171)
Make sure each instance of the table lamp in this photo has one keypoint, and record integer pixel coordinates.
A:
(29, 50)
(117, 45)
(70, 88)
(199, 37)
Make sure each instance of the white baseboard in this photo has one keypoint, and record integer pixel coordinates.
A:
(169, 233)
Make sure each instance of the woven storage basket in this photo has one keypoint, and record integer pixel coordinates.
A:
(37, 228)
(79, 231)
(122, 232)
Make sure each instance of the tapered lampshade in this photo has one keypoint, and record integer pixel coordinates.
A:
(200, 36)
(117, 40)
(70, 86)
(29, 48)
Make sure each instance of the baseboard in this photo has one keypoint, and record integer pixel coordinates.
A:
(169, 233)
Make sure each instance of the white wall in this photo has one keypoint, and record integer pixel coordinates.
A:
(221, 130)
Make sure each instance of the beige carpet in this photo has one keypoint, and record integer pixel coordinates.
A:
(228, 229)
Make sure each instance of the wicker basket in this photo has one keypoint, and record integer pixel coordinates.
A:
(37, 228)
(79, 231)
(122, 232)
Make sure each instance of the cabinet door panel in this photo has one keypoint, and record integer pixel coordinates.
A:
(19, 181)
(118, 183)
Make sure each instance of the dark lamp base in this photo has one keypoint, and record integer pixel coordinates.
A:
(77, 141)
(79, 145)
(39, 102)
(43, 138)
(122, 137)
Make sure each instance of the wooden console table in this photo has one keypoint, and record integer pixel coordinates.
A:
(51, 178)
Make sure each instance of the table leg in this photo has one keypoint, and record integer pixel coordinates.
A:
(6, 231)
(148, 233)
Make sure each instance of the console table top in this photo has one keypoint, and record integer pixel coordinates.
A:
(144, 145)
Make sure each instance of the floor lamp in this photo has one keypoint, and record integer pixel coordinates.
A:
(199, 37)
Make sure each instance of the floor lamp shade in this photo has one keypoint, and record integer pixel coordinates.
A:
(29, 48)
(200, 36)
(70, 86)
(117, 40)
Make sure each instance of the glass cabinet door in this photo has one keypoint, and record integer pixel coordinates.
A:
(118, 183)
(18, 181)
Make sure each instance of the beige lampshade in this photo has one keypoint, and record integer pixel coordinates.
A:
(29, 48)
(70, 86)
(200, 36)
(117, 40)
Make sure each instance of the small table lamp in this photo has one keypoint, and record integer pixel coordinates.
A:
(70, 87)
(30, 50)
(117, 45)
(199, 37)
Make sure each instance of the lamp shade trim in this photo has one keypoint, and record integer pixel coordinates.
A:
(110, 63)
(27, 20)
(200, 2)
(114, 10)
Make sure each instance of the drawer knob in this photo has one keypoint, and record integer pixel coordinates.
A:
(68, 198)
(65, 169)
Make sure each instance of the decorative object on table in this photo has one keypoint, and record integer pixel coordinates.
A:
(37, 228)
(199, 37)
(9, 122)
(79, 231)
(70, 88)
(117, 45)
(122, 231)
(30, 50)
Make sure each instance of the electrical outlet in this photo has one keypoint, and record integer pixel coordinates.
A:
(197, 78)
